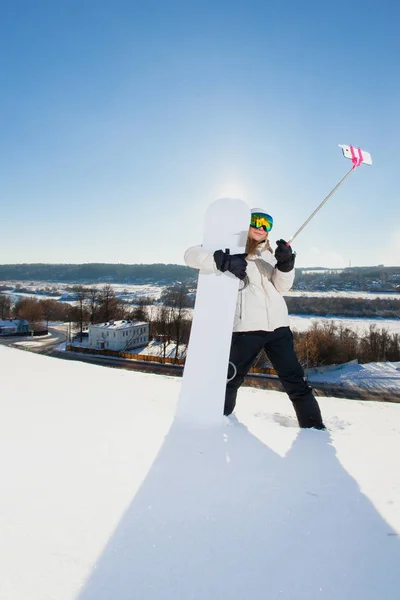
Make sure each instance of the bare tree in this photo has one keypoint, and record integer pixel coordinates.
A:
(51, 310)
(5, 306)
(178, 300)
(93, 298)
(394, 348)
(31, 310)
(140, 312)
(110, 307)
(152, 312)
(80, 313)
(162, 327)
(177, 295)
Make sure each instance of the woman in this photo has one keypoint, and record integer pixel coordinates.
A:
(261, 319)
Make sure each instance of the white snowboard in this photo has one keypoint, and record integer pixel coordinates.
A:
(202, 394)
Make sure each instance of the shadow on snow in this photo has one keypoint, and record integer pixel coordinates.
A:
(221, 515)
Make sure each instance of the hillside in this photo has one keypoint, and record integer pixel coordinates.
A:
(103, 500)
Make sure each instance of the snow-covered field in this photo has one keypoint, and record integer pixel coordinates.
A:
(359, 325)
(127, 292)
(132, 291)
(101, 499)
(157, 349)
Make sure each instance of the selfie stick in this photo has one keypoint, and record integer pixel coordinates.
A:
(348, 152)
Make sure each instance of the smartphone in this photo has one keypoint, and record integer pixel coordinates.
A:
(366, 157)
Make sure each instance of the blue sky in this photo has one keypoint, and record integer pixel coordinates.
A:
(121, 121)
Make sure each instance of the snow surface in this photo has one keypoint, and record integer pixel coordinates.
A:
(101, 499)
(377, 375)
(360, 325)
(155, 348)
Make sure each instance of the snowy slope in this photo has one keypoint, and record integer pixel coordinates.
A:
(95, 505)
(373, 376)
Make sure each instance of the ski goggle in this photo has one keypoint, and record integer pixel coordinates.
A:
(261, 220)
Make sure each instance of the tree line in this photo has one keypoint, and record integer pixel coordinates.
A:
(349, 275)
(332, 343)
(99, 272)
(388, 308)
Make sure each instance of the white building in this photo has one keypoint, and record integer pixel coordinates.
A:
(118, 335)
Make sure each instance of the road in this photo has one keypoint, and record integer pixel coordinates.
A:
(264, 382)
(47, 345)
(39, 345)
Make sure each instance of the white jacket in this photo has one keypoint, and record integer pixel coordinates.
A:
(260, 305)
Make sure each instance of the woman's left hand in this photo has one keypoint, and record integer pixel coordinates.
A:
(285, 257)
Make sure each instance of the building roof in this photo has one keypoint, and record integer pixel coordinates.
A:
(12, 322)
(118, 324)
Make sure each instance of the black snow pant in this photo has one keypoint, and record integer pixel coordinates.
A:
(279, 348)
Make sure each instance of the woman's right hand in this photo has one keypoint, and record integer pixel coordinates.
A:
(234, 263)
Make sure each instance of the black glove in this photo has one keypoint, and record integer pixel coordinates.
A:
(235, 263)
(284, 256)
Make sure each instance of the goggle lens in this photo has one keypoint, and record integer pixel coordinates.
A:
(261, 221)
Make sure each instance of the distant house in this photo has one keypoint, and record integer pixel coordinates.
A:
(119, 335)
(68, 297)
(14, 326)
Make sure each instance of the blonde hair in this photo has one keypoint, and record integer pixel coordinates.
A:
(252, 246)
